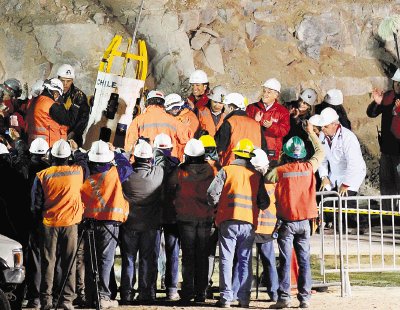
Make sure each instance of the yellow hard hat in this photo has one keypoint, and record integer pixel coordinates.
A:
(208, 141)
(244, 148)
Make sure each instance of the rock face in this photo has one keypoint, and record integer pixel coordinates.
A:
(239, 44)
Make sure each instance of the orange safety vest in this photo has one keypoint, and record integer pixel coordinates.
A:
(191, 196)
(40, 124)
(296, 192)
(103, 198)
(206, 120)
(238, 200)
(241, 127)
(267, 217)
(63, 204)
(188, 119)
(153, 122)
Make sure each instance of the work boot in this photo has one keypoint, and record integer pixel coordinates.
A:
(223, 304)
(67, 306)
(244, 304)
(127, 298)
(281, 304)
(200, 298)
(304, 304)
(80, 301)
(106, 303)
(173, 296)
(33, 303)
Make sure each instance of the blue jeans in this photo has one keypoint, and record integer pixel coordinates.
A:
(267, 255)
(297, 235)
(172, 246)
(235, 239)
(194, 242)
(144, 243)
(105, 252)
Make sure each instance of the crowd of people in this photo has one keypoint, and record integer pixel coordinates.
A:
(194, 175)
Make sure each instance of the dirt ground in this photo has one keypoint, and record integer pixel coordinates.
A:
(365, 298)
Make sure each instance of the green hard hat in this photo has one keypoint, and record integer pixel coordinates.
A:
(295, 148)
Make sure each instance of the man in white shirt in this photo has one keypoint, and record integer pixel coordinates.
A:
(343, 167)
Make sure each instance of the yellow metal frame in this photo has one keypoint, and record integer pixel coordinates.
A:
(112, 51)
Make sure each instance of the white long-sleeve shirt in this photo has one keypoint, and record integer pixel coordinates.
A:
(345, 160)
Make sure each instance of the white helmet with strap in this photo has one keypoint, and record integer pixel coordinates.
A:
(194, 148)
(39, 146)
(162, 141)
(66, 71)
(198, 77)
(54, 84)
(61, 149)
(235, 99)
(100, 152)
(143, 150)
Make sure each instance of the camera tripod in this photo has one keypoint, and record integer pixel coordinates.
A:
(88, 225)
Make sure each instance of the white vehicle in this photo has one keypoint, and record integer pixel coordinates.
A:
(12, 271)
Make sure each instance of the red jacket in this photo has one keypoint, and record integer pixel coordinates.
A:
(191, 182)
(280, 126)
(198, 103)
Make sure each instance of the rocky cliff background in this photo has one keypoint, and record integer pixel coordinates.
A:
(239, 43)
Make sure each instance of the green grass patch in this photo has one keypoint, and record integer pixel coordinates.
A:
(379, 279)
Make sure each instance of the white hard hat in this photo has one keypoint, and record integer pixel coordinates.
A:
(309, 96)
(54, 84)
(66, 71)
(334, 97)
(315, 120)
(273, 84)
(260, 160)
(39, 146)
(194, 148)
(162, 141)
(155, 94)
(143, 150)
(236, 99)
(198, 77)
(396, 76)
(172, 101)
(3, 149)
(100, 152)
(61, 149)
(328, 116)
(37, 88)
(218, 93)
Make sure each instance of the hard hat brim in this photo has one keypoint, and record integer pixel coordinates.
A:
(101, 158)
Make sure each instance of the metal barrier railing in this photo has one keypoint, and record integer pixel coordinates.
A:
(363, 236)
